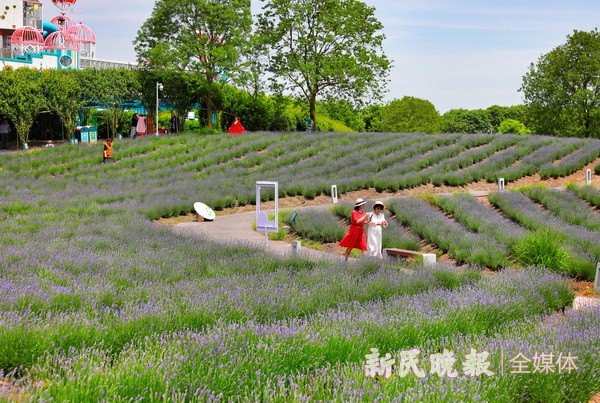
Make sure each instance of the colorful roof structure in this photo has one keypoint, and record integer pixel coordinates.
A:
(26, 40)
(82, 33)
(63, 22)
(61, 40)
(86, 38)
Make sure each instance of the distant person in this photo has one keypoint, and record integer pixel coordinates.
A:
(174, 123)
(107, 153)
(4, 130)
(236, 127)
(374, 231)
(141, 125)
(49, 144)
(134, 122)
(355, 237)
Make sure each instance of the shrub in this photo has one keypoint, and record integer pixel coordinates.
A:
(543, 248)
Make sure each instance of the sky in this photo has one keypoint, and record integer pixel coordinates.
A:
(468, 54)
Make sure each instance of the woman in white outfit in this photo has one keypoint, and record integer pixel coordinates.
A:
(374, 232)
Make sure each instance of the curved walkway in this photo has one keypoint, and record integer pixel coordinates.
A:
(239, 229)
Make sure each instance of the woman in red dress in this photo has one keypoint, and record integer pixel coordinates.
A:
(355, 237)
(236, 127)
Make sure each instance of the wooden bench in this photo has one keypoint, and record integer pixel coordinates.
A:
(428, 258)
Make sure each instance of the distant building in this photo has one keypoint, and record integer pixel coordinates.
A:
(28, 40)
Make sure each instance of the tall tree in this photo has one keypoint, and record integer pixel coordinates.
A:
(408, 115)
(324, 47)
(202, 36)
(110, 88)
(62, 95)
(562, 90)
(21, 98)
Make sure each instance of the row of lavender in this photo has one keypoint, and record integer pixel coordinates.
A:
(97, 303)
(304, 164)
(322, 355)
(478, 234)
(491, 238)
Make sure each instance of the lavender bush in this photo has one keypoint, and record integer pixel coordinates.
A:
(273, 359)
(567, 205)
(583, 243)
(588, 193)
(462, 244)
(480, 218)
(97, 302)
(319, 225)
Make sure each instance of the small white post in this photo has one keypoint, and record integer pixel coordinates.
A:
(588, 176)
(334, 195)
(428, 258)
(266, 238)
(296, 247)
(501, 184)
(597, 282)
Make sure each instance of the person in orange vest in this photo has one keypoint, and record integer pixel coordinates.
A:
(107, 153)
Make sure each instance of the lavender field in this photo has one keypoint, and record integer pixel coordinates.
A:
(99, 303)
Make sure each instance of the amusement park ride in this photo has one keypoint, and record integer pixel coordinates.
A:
(28, 40)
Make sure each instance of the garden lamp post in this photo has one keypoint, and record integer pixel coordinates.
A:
(159, 86)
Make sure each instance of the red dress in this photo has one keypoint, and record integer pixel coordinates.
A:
(355, 238)
(236, 128)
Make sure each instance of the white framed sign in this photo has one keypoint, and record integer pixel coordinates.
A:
(262, 221)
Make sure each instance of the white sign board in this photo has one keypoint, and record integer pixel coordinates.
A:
(334, 195)
(262, 222)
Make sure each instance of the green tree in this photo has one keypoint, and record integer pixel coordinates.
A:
(498, 114)
(324, 48)
(21, 98)
(110, 88)
(408, 115)
(371, 115)
(343, 111)
(255, 112)
(181, 88)
(62, 94)
(513, 126)
(562, 90)
(201, 36)
(466, 121)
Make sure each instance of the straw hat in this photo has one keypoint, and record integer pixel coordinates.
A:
(359, 202)
(378, 203)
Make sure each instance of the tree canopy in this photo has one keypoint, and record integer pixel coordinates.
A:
(203, 36)
(324, 47)
(562, 90)
(408, 115)
(21, 98)
(466, 121)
